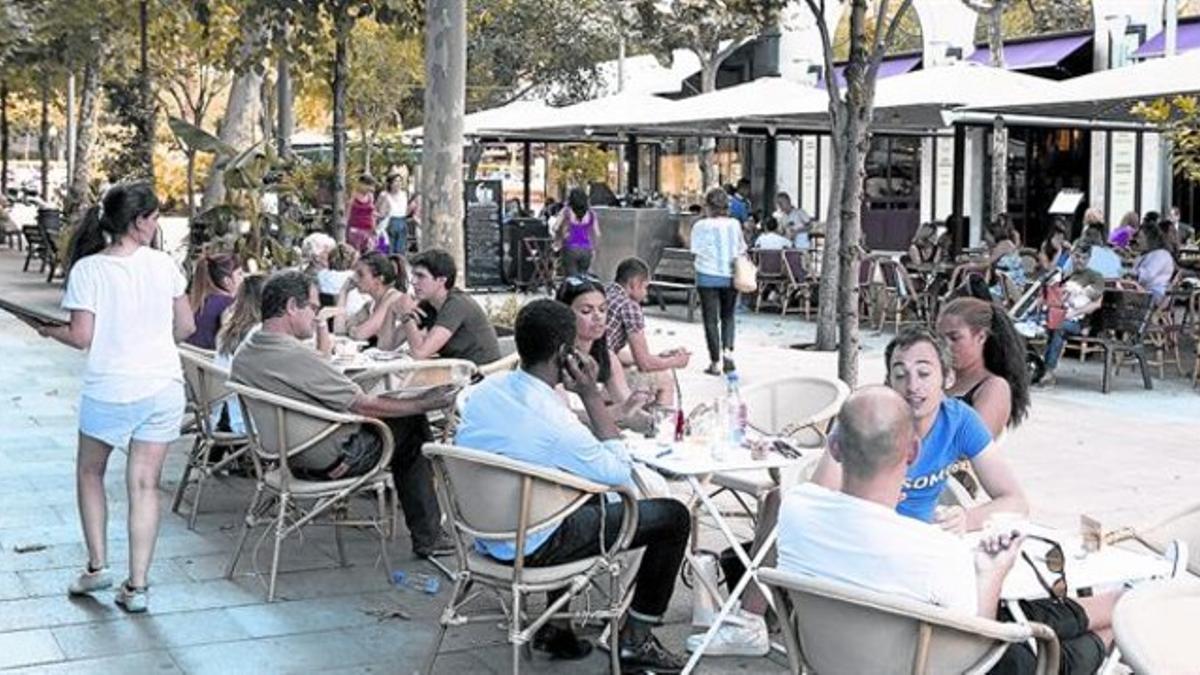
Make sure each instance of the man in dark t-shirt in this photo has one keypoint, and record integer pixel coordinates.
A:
(447, 322)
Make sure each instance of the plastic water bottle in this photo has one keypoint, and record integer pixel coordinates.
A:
(425, 583)
(735, 411)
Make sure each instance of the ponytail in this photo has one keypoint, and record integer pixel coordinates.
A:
(1003, 350)
(108, 221)
(1004, 355)
(88, 237)
(211, 276)
(202, 285)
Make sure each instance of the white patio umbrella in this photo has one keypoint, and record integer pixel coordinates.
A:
(917, 99)
(1103, 96)
(477, 122)
(605, 114)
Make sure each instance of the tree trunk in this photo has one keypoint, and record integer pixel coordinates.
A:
(4, 138)
(999, 131)
(827, 294)
(708, 145)
(144, 141)
(445, 99)
(851, 215)
(285, 105)
(44, 136)
(78, 194)
(241, 118)
(341, 64)
(191, 185)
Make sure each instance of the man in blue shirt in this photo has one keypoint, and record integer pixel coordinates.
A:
(1102, 259)
(739, 201)
(520, 415)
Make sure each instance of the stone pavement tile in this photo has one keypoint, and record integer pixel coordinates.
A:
(47, 582)
(21, 517)
(62, 555)
(128, 634)
(397, 643)
(27, 648)
(11, 587)
(285, 617)
(144, 663)
(47, 612)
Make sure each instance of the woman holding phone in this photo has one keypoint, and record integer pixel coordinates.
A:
(128, 308)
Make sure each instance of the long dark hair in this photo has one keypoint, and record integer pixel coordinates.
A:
(108, 221)
(577, 199)
(1003, 350)
(572, 287)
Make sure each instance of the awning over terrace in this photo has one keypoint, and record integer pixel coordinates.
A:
(1106, 96)
(1033, 54)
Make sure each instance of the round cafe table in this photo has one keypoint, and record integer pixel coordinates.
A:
(1155, 626)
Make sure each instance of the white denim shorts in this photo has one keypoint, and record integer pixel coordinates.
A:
(154, 419)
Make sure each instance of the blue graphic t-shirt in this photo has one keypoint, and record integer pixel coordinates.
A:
(957, 432)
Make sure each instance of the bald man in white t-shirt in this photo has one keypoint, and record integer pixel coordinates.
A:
(855, 536)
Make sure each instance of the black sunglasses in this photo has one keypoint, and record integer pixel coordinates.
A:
(1055, 564)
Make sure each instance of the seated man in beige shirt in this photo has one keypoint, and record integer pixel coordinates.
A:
(275, 360)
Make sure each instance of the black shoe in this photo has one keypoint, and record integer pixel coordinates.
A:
(441, 547)
(727, 365)
(650, 657)
(560, 643)
(712, 370)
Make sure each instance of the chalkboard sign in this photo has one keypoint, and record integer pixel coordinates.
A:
(482, 233)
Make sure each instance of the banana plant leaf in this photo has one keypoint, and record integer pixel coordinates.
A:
(194, 138)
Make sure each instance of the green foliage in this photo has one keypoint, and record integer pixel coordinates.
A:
(698, 25)
(386, 68)
(1179, 119)
(580, 165)
(545, 48)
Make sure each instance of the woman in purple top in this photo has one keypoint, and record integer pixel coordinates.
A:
(1122, 237)
(1156, 266)
(214, 286)
(578, 233)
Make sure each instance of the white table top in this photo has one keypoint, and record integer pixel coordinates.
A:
(1098, 571)
(694, 457)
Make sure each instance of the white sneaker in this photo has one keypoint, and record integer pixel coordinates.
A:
(741, 634)
(90, 582)
(132, 600)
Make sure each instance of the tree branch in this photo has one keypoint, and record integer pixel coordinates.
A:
(877, 58)
(831, 85)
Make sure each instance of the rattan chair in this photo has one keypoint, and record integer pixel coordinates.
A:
(798, 289)
(207, 392)
(520, 500)
(833, 628)
(770, 277)
(796, 407)
(1155, 627)
(282, 428)
(1156, 535)
(898, 296)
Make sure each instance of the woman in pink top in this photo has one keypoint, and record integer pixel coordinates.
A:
(578, 234)
(360, 224)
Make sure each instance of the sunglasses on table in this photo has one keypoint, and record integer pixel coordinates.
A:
(1056, 564)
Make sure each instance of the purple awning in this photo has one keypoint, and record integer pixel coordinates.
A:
(1034, 53)
(887, 68)
(1187, 38)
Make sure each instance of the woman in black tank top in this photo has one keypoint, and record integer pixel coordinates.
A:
(989, 361)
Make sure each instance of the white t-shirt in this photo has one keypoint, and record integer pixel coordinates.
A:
(835, 536)
(795, 221)
(772, 241)
(397, 204)
(716, 242)
(133, 353)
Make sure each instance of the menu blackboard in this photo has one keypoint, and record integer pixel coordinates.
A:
(482, 233)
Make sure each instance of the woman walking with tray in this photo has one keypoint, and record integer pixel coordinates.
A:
(128, 307)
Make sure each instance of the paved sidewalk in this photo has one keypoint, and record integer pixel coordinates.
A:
(1122, 457)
